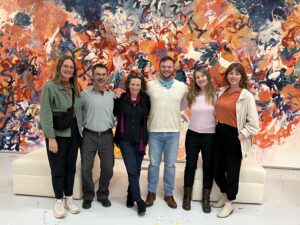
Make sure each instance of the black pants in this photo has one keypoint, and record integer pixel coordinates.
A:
(103, 145)
(133, 162)
(227, 160)
(195, 142)
(63, 163)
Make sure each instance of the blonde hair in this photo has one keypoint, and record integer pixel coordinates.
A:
(195, 90)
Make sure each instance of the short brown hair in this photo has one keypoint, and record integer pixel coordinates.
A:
(99, 65)
(133, 75)
(166, 58)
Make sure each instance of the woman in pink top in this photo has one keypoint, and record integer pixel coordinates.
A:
(200, 136)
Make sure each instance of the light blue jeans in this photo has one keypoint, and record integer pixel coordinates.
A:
(166, 144)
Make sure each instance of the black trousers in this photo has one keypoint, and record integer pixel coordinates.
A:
(194, 143)
(63, 163)
(227, 160)
(103, 145)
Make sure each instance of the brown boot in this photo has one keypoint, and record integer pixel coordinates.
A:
(170, 202)
(206, 200)
(186, 204)
(150, 199)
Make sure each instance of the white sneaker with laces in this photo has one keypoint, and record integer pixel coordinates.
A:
(220, 203)
(59, 210)
(71, 205)
(227, 210)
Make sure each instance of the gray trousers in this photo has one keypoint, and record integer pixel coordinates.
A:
(104, 145)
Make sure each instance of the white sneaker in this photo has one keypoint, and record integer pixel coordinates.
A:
(59, 210)
(220, 203)
(71, 205)
(227, 210)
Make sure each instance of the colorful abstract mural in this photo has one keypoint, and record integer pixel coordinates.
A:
(132, 35)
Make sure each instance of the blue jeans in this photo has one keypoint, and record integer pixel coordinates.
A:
(133, 161)
(162, 143)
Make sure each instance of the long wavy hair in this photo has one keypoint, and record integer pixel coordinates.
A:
(195, 90)
(58, 76)
(240, 69)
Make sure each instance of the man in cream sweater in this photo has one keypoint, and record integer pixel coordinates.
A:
(166, 94)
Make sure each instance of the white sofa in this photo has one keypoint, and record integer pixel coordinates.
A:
(251, 183)
(31, 175)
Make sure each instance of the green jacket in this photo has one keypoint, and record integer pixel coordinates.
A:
(55, 98)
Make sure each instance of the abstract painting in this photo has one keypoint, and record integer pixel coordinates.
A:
(132, 35)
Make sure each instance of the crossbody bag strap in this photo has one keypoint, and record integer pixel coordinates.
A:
(73, 97)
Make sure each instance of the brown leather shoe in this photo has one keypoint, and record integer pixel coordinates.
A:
(171, 202)
(150, 199)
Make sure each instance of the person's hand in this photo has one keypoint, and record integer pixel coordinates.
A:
(53, 145)
(118, 92)
(241, 137)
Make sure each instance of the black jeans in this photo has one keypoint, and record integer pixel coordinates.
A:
(133, 161)
(227, 160)
(195, 142)
(103, 145)
(63, 163)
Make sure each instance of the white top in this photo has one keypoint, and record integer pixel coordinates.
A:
(165, 106)
(202, 118)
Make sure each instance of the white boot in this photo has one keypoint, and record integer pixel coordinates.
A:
(220, 203)
(71, 205)
(59, 210)
(227, 210)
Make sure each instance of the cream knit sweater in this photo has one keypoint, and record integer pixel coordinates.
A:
(165, 106)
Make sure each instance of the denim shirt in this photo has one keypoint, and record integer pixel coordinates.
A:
(55, 98)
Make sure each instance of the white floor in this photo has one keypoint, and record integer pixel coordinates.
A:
(282, 203)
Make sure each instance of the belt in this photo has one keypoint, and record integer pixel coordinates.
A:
(98, 133)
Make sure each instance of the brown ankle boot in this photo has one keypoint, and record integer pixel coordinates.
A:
(170, 201)
(206, 200)
(187, 197)
(150, 199)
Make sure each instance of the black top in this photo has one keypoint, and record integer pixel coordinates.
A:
(135, 118)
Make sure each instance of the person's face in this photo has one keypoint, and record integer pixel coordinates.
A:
(135, 86)
(166, 69)
(234, 78)
(100, 76)
(67, 69)
(201, 79)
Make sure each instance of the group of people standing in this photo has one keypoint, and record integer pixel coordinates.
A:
(221, 127)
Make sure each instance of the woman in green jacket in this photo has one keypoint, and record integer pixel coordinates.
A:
(59, 95)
